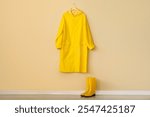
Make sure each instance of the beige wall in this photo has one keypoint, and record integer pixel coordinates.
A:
(29, 59)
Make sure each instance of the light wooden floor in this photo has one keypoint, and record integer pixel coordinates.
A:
(71, 97)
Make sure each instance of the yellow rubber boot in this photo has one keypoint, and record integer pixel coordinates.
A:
(92, 90)
(87, 86)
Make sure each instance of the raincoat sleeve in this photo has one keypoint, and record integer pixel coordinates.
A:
(59, 36)
(89, 39)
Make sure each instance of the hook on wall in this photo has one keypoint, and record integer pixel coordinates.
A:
(74, 9)
(74, 4)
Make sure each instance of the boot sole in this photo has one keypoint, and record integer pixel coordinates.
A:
(88, 96)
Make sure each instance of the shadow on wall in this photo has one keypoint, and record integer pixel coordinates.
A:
(98, 84)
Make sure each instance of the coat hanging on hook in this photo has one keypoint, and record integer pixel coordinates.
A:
(74, 40)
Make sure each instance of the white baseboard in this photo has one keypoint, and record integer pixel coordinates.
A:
(100, 92)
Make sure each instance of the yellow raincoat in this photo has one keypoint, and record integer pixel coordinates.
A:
(74, 39)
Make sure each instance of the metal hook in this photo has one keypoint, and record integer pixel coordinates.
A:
(74, 4)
